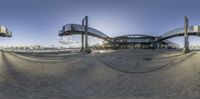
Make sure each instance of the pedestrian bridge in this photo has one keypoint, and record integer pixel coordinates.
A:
(73, 29)
(192, 30)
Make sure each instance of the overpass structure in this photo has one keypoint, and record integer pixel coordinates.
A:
(140, 41)
(144, 41)
(123, 41)
(84, 30)
(133, 41)
(76, 29)
(192, 30)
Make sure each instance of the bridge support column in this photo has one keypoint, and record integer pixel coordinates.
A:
(85, 25)
(186, 45)
(82, 42)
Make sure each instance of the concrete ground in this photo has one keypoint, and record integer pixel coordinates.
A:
(139, 74)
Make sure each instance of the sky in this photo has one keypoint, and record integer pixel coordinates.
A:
(38, 21)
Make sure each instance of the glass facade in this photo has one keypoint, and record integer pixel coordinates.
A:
(138, 40)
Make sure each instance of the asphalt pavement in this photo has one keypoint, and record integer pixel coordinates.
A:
(89, 75)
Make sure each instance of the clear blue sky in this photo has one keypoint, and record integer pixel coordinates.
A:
(38, 21)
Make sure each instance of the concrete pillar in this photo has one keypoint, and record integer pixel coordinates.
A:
(82, 42)
(186, 45)
(85, 25)
(86, 33)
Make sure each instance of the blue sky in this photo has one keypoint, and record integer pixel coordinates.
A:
(38, 21)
